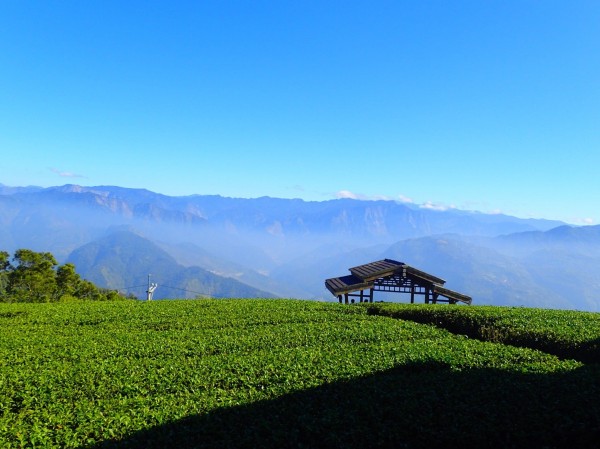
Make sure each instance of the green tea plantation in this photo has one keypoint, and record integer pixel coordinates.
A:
(243, 373)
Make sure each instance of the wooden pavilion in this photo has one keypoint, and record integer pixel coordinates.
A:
(392, 276)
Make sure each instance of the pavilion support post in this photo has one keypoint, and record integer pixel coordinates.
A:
(426, 295)
(340, 298)
(371, 294)
(346, 298)
(361, 295)
(435, 296)
(412, 293)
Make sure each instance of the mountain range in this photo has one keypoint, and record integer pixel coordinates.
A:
(217, 246)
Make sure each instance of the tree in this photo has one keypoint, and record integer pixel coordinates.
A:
(87, 290)
(4, 261)
(5, 267)
(33, 279)
(36, 277)
(67, 281)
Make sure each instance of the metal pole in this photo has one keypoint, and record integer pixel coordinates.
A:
(148, 295)
(151, 288)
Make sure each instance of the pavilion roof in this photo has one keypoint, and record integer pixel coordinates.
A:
(363, 277)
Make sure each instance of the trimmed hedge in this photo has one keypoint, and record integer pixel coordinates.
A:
(565, 333)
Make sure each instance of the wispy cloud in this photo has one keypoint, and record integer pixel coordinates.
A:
(65, 174)
(399, 198)
(361, 196)
(584, 221)
(405, 199)
(348, 194)
(381, 198)
(436, 206)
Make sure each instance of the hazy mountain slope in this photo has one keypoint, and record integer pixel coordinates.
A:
(573, 276)
(307, 274)
(123, 260)
(486, 275)
(190, 255)
(565, 259)
(583, 240)
(483, 273)
(470, 266)
(9, 209)
(555, 268)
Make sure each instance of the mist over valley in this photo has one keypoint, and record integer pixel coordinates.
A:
(207, 245)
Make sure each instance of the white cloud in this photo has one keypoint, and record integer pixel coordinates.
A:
(381, 198)
(346, 194)
(65, 174)
(584, 221)
(361, 196)
(435, 206)
(405, 199)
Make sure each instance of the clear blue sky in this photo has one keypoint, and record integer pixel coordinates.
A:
(481, 105)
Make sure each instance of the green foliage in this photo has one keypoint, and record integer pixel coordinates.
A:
(67, 280)
(565, 333)
(36, 277)
(4, 268)
(33, 279)
(274, 373)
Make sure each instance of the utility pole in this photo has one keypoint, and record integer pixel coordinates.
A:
(151, 288)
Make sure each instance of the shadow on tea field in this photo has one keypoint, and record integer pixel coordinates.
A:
(412, 406)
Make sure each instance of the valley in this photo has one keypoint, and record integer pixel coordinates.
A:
(269, 247)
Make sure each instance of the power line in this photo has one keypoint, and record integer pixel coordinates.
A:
(135, 286)
(166, 286)
(185, 290)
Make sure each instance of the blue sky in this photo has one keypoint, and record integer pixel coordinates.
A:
(481, 105)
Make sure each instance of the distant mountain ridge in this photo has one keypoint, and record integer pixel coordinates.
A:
(287, 247)
(74, 215)
(375, 218)
(8, 190)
